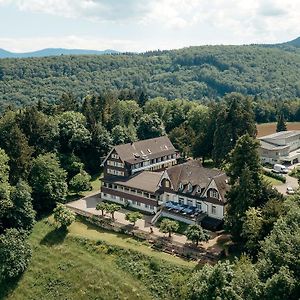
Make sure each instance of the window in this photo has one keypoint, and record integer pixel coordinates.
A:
(214, 193)
(146, 205)
(116, 156)
(151, 207)
(181, 200)
(115, 172)
(198, 189)
(213, 209)
(138, 203)
(167, 183)
(199, 206)
(180, 186)
(190, 202)
(190, 187)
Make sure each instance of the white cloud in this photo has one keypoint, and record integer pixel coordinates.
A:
(228, 21)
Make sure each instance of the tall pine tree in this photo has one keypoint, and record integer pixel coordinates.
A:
(281, 125)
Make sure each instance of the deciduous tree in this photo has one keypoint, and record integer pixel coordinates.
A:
(168, 226)
(63, 215)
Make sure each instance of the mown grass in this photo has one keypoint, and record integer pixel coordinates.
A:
(85, 229)
(89, 264)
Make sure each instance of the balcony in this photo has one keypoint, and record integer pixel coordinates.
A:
(149, 166)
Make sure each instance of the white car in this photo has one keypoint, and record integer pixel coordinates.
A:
(290, 190)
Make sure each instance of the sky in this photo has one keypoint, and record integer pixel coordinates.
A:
(141, 25)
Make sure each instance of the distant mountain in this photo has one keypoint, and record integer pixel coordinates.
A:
(54, 52)
(295, 42)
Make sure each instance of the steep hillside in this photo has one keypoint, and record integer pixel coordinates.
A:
(193, 73)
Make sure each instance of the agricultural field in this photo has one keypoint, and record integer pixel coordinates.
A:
(269, 128)
(86, 263)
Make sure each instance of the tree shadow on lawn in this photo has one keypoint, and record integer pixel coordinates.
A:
(54, 237)
(8, 286)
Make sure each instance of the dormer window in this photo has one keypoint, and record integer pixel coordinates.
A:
(190, 187)
(213, 193)
(180, 186)
(198, 189)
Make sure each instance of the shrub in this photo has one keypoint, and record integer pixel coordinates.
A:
(274, 175)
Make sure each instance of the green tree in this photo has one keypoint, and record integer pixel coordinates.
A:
(15, 144)
(240, 197)
(15, 253)
(280, 248)
(150, 126)
(63, 215)
(72, 131)
(99, 147)
(244, 155)
(212, 282)
(80, 182)
(122, 135)
(112, 208)
(182, 138)
(102, 206)
(198, 118)
(252, 229)
(281, 125)
(21, 215)
(235, 119)
(281, 285)
(168, 226)
(5, 188)
(48, 182)
(196, 234)
(246, 282)
(132, 217)
(40, 129)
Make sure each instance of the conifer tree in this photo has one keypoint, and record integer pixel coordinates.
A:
(281, 125)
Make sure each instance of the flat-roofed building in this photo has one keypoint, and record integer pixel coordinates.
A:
(280, 147)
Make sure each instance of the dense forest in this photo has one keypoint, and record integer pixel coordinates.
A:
(195, 73)
(48, 150)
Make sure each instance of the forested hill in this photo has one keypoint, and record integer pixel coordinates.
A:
(193, 73)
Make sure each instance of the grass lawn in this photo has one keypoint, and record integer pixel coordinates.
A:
(63, 269)
(272, 180)
(88, 263)
(90, 231)
(95, 182)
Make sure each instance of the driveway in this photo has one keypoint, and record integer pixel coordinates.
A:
(290, 181)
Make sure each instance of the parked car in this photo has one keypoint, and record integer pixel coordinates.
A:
(290, 190)
(280, 169)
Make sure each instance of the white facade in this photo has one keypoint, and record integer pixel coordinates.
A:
(134, 204)
(280, 147)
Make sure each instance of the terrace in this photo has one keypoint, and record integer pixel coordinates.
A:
(183, 212)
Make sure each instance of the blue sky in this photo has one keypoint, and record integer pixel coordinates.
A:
(140, 25)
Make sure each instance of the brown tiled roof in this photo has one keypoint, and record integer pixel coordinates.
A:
(222, 184)
(146, 181)
(146, 149)
(193, 172)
